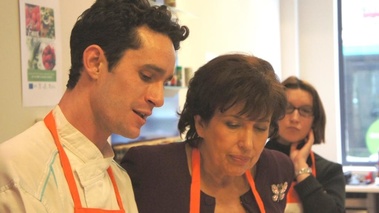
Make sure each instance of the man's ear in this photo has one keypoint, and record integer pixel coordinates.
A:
(93, 57)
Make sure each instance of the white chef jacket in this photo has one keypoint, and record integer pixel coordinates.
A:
(32, 179)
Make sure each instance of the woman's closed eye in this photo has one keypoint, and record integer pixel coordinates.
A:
(261, 128)
(233, 125)
(257, 127)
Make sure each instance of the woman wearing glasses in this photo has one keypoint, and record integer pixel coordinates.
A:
(319, 184)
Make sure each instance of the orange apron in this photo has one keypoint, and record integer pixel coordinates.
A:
(50, 123)
(293, 200)
(195, 185)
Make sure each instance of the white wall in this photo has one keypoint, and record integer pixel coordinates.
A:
(222, 26)
(297, 36)
(310, 51)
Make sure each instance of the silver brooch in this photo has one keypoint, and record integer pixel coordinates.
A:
(279, 191)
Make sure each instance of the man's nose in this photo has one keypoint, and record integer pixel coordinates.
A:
(155, 95)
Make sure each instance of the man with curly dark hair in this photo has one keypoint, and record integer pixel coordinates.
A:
(122, 53)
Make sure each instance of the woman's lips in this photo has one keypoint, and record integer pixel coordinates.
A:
(239, 159)
(292, 128)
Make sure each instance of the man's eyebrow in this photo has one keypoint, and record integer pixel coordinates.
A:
(153, 67)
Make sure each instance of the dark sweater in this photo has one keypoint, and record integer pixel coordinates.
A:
(161, 180)
(324, 193)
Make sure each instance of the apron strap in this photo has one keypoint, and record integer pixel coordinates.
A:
(195, 184)
(313, 164)
(255, 192)
(50, 123)
(118, 197)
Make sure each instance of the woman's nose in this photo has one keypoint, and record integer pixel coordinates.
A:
(247, 140)
(294, 116)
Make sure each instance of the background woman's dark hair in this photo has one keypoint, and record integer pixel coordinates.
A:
(229, 80)
(112, 24)
(319, 117)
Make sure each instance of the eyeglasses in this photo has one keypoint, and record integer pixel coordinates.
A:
(305, 111)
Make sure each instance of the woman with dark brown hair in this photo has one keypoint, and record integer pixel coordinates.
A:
(319, 184)
(232, 103)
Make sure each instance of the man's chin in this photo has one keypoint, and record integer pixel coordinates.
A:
(132, 134)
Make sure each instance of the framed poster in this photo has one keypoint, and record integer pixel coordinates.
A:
(40, 52)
